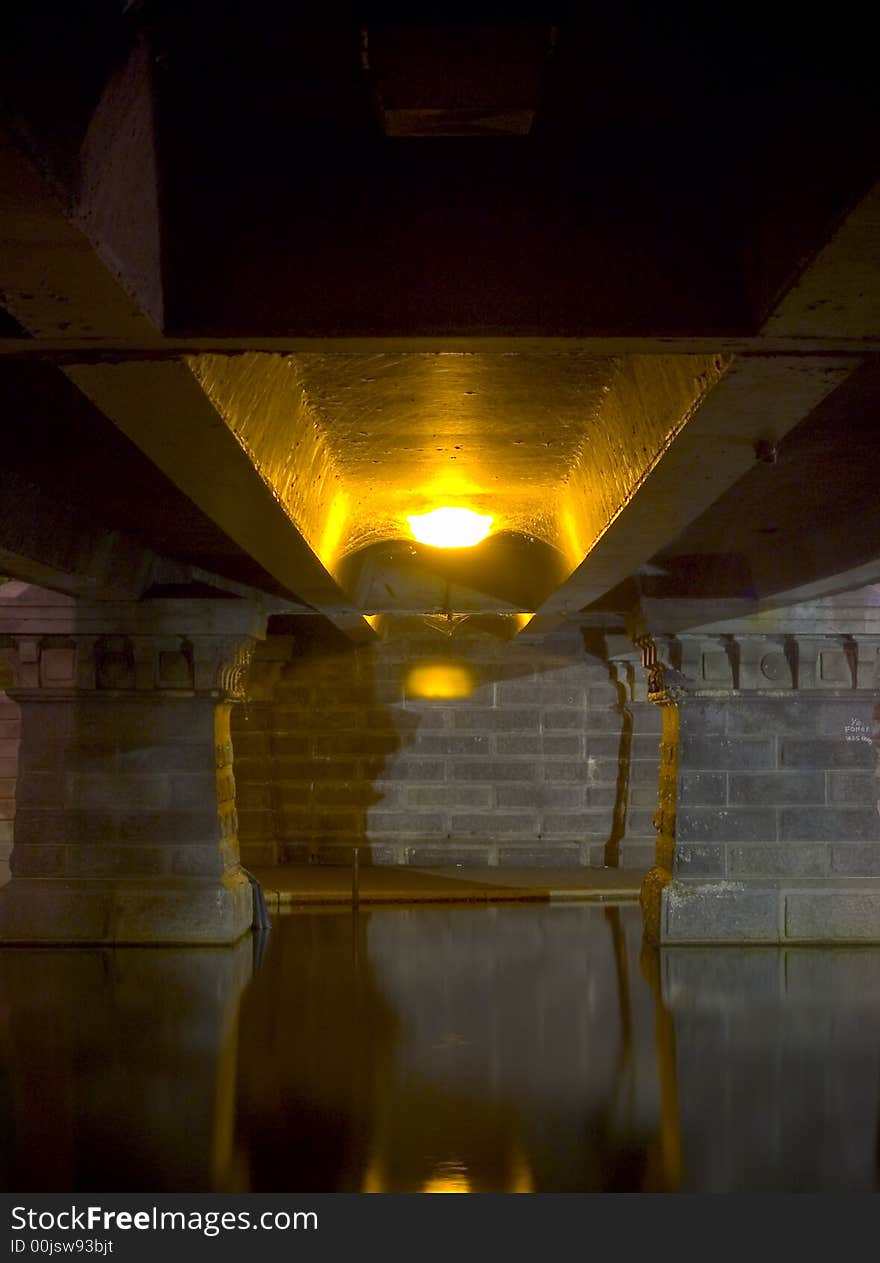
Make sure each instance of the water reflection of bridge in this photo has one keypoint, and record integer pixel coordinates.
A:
(521, 1048)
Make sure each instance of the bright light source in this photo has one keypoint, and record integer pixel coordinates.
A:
(450, 528)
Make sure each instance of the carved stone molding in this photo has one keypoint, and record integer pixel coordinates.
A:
(208, 652)
(704, 666)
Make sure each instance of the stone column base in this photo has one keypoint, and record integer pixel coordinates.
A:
(159, 910)
(841, 910)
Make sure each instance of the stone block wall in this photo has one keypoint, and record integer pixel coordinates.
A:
(539, 765)
(778, 788)
(772, 831)
(10, 734)
(124, 815)
(124, 788)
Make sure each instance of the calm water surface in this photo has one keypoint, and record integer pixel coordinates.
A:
(513, 1048)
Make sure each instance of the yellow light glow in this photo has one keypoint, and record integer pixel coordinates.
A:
(334, 528)
(450, 528)
(448, 1177)
(373, 1181)
(438, 680)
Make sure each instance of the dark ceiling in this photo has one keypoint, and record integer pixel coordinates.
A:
(368, 169)
(679, 164)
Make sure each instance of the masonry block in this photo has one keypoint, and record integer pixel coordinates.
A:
(723, 824)
(855, 860)
(419, 770)
(539, 796)
(492, 824)
(253, 797)
(777, 861)
(533, 855)
(694, 859)
(700, 789)
(494, 771)
(344, 793)
(567, 719)
(834, 824)
(575, 824)
(607, 796)
(854, 788)
(826, 752)
(503, 762)
(641, 823)
(457, 743)
(716, 753)
(839, 915)
(719, 912)
(456, 856)
(524, 745)
(490, 719)
(578, 772)
(775, 788)
(785, 717)
(407, 823)
(449, 796)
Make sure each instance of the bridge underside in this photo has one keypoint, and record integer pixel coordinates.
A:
(269, 289)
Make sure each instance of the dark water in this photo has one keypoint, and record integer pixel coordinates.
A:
(512, 1048)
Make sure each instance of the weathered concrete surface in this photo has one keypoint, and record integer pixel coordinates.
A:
(771, 832)
(10, 738)
(851, 607)
(118, 194)
(125, 823)
(304, 460)
(526, 770)
(56, 279)
(498, 434)
(834, 293)
(727, 424)
(165, 411)
(708, 431)
(48, 544)
(262, 401)
(52, 276)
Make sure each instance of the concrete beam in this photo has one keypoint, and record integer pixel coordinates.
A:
(56, 280)
(669, 615)
(710, 445)
(86, 265)
(166, 413)
(63, 348)
(47, 543)
(756, 401)
(837, 294)
(855, 612)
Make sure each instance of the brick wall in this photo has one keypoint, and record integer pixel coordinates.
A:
(10, 731)
(778, 788)
(540, 765)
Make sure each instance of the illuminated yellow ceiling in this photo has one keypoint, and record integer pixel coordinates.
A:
(494, 433)
(550, 446)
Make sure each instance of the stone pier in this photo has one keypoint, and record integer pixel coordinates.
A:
(125, 825)
(768, 825)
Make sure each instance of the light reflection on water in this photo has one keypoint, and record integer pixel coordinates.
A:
(437, 1049)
